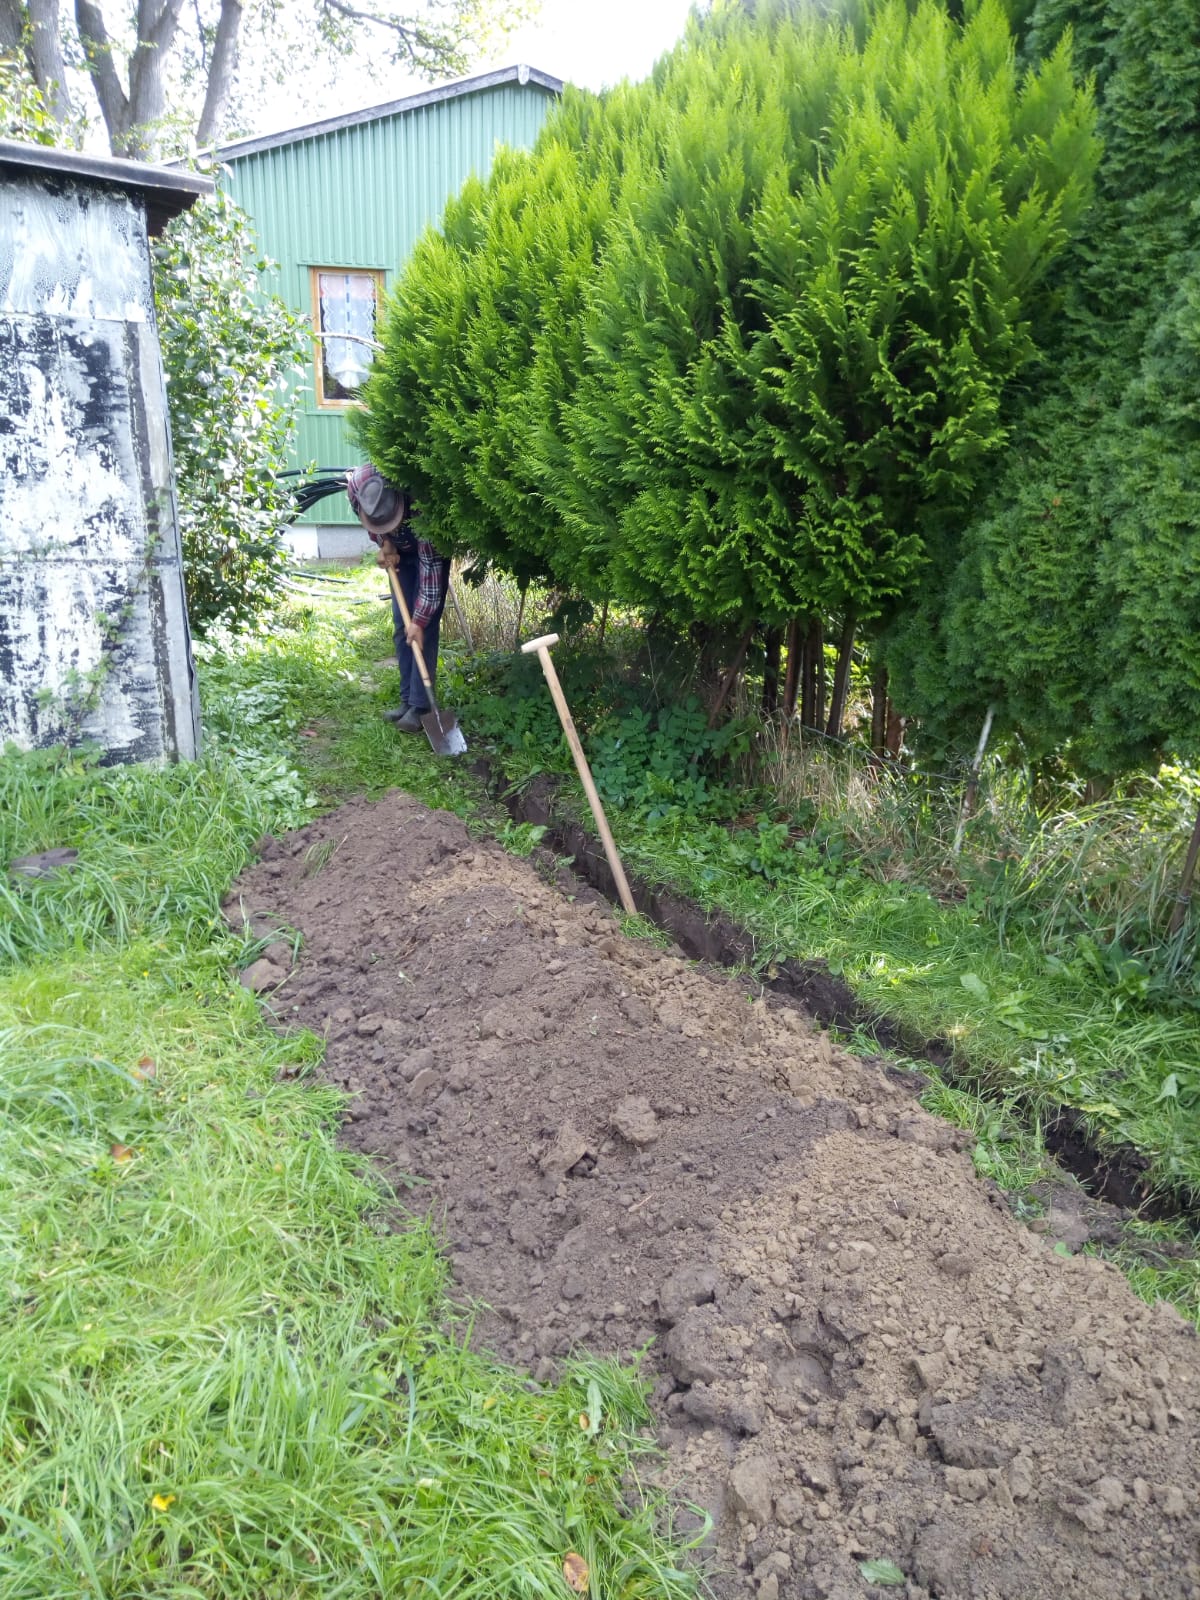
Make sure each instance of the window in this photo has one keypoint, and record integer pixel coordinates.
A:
(343, 303)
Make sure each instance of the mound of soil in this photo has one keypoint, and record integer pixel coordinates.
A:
(858, 1353)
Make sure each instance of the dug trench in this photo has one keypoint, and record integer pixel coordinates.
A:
(1116, 1177)
(857, 1353)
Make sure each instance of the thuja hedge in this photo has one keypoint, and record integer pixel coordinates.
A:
(730, 344)
(1072, 602)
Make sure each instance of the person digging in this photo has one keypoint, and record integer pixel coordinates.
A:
(424, 578)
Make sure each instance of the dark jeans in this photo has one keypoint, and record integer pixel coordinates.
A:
(412, 690)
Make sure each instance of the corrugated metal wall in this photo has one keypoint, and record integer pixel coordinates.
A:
(361, 197)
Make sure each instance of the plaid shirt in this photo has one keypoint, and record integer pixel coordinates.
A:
(433, 570)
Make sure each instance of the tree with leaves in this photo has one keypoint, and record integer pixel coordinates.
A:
(163, 74)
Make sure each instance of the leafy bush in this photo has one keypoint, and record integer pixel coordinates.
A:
(228, 347)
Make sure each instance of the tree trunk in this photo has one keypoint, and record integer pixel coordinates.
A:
(812, 681)
(895, 731)
(841, 677)
(97, 50)
(221, 70)
(791, 683)
(158, 23)
(1184, 898)
(879, 707)
(773, 647)
(31, 32)
(730, 678)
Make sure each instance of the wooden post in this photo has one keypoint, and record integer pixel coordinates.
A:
(461, 615)
(542, 649)
(1184, 898)
(968, 804)
(879, 709)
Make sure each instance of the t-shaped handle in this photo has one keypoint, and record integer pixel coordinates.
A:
(542, 649)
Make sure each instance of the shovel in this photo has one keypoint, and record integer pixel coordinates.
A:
(441, 727)
(541, 648)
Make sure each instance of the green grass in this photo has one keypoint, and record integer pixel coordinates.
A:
(227, 1367)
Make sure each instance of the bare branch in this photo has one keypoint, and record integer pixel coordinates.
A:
(411, 40)
(221, 71)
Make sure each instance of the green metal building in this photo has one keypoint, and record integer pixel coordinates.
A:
(339, 205)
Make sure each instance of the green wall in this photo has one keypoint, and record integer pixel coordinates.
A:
(360, 197)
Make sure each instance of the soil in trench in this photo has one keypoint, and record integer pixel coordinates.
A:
(857, 1352)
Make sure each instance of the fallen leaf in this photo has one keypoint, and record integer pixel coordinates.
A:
(146, 1068)
(163, 1502)
(575, 1571)
(489, 1402)
(885, 1573)
(120, 1152)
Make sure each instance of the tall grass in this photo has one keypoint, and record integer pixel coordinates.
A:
(1050, 864)
(229, 1366)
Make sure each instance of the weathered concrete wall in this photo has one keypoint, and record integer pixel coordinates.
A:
(94, 639)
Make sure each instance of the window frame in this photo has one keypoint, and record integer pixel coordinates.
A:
(325, 402)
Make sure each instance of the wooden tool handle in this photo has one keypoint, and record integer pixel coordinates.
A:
(416, 648)
(542, 646)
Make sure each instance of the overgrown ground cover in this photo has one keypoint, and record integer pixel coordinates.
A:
(1035, 1022)
(228, 1366)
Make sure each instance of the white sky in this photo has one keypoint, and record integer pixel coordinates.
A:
(587, 42)
(597, 42)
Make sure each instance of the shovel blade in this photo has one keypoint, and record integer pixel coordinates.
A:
(443, 732)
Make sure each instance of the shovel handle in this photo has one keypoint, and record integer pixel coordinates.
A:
(416, 648)
(542, 648)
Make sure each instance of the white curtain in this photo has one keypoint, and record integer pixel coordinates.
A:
(347, 305)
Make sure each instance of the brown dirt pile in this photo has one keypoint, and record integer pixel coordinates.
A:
(859, 1353)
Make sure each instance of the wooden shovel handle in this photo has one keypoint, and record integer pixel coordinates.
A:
(542, 647)
(415, 647)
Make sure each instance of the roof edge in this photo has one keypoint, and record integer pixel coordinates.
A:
(520, 74)
(167, 191)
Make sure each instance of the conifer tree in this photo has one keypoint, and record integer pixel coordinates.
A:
(1075, 606)
(810, 306)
